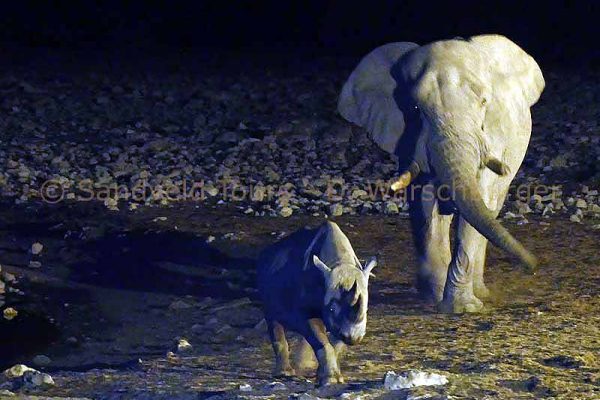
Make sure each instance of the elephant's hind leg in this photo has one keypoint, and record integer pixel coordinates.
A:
(431, 233)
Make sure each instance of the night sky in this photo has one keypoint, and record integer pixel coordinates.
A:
(553, 31)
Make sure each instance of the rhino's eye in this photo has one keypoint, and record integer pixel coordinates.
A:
(334, 308)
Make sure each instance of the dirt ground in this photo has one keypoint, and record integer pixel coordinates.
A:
(117, 289)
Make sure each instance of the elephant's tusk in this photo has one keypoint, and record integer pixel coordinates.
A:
(407, 177)
(402, 182)
(497, 166)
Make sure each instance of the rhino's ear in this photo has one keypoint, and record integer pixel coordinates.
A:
(372, 263)
(367, 98)
(515, 70)
(321, 265)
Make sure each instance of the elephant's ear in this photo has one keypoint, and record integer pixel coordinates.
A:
(513, 64)
(367, 96)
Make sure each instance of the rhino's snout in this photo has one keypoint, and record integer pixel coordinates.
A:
(354, 333)
(351, 340)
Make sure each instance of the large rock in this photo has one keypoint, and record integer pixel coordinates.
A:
(412, 378)
(17, 371)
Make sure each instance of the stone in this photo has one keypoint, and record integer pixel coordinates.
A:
(211, 190)
(180, 305)
(37, 379)
(17, 371)
(412, 378)
(359, 194)
(112, 204)
(72, 340)
(10, 313)
(286, 212)
(36, 248)
(275, 387)
(548, 209)
(522, 208)
(308, 396)
(245, 387)
(183, 346)
(336, 210)
(581, 203)
(391, 208)
(259, 193)
(41, 360)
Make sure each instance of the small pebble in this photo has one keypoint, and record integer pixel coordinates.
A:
(286, 212)
(244, 387)
(336, 210)
(275, 387)
(41, 360)
(183, 346)
(36, 248)
(10, 313)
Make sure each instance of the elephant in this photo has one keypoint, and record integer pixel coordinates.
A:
(456, 114)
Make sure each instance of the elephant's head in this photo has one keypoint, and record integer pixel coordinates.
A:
(438, 106)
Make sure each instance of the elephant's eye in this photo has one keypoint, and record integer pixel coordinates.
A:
(484, 102)
(416, 107)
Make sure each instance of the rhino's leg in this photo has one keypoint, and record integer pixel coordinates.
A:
(340, 349)
(328, 371)
(281, 349)
(304, 358)
(431, 233)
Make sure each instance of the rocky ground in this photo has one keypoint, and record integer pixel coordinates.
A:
(261, 134)
(109, 261)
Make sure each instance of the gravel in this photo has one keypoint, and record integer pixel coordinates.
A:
(270, 145)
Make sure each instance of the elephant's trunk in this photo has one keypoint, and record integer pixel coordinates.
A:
(456, 170)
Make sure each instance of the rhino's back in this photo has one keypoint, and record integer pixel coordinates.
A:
(291, 289)
(286, 254)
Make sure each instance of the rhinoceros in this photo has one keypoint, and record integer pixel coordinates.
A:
(312, 283)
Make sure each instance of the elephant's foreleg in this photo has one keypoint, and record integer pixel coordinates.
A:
(459, 295)
(431, 233)
(479, 287)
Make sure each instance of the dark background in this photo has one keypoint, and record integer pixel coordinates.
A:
(552, 31)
